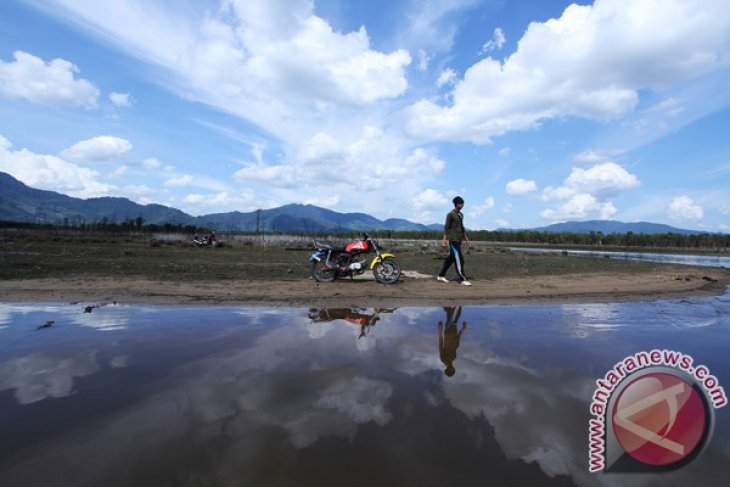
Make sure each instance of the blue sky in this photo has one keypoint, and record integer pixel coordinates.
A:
(535, 112)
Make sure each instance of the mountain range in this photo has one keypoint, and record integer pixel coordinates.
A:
(612, 226)
(21, 203)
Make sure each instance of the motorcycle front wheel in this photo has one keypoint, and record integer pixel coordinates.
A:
(322, 273)
(387, 271)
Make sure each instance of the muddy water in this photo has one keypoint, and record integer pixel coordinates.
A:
(496, 395)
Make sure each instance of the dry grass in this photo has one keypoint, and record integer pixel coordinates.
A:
(174, 258)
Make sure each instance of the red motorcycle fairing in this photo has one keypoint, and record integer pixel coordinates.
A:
(357, 247)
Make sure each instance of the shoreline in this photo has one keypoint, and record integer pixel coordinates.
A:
(414, 289)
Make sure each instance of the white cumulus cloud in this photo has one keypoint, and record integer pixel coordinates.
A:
(430, 199)
(121, 99)
(198, 203)
(385, 159)
(321, 147)
(255, 59)
(589, 157)
(54, 82)
(479, 208)
(585, 192)
(580, 206)
(591, 62)
(184, 180)
(520, 186)
(104, 148)
(50, 172)
(495, 43)
(683, 208)
(602, 180)
(151, 163)
(446, 77)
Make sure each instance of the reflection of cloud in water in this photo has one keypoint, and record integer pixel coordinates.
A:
(264, 316)
(360, 399)
(277, 383)
(694, 313)
(268, 391)
(7, 311)
(415, 316)
(538, 415)
(365, 343)
(110, 317)
(45, 374)
(416, 354)
(103, 317)
(533, 418)
(119, 362)
(288, 391)
(318, 329)
(339, 409)
(586, 320)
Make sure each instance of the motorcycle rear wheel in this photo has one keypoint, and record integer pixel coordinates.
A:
(387, 271)
(320, 273)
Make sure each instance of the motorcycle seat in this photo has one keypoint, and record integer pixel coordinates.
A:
(324, 246)
(336, 248)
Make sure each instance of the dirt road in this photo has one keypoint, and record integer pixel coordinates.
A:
(414, 289)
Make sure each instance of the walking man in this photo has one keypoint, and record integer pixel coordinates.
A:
(455, 233)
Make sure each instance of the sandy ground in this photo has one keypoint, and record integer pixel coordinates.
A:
(413, 290)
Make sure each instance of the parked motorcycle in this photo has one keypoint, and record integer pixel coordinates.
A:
(209, 240)
(331, 262)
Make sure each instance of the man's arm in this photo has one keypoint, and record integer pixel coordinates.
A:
(466, 239)
(446, 229)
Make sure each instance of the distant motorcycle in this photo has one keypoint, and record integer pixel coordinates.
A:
(331, 262)
(209, 240)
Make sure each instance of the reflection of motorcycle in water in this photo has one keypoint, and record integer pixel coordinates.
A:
(330, 262)
(209, 240)
(363, 317)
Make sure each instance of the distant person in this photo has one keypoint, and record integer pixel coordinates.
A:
(450, 338)
(455, 233)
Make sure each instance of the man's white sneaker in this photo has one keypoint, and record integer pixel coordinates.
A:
(465, 283)
(442, 279)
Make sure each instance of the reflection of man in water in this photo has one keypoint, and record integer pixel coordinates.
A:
(449, 339)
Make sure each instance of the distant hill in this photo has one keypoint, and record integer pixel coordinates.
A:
(21, 203)
(611, 226)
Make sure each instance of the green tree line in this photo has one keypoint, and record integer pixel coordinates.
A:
(598, 239)
(629, 239)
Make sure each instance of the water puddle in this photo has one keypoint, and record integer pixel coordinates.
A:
(718, 261)
(148, 395)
